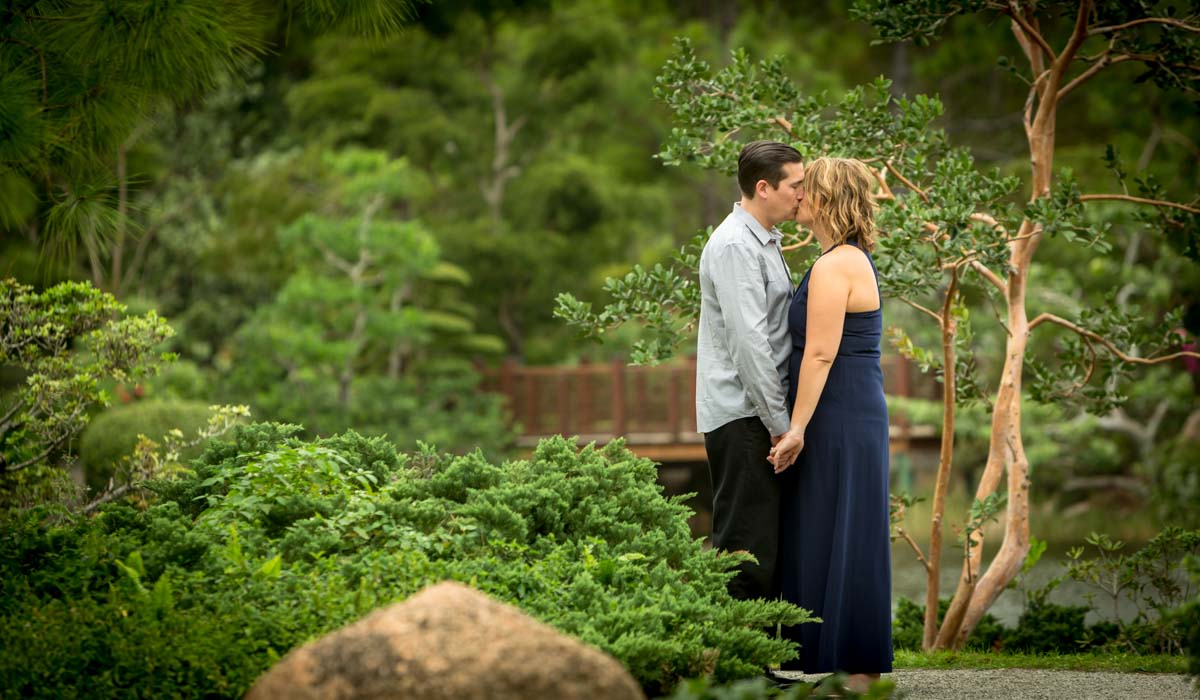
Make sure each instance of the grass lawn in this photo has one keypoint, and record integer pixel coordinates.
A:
(1125, 663)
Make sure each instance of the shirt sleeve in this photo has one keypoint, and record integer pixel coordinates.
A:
(742, 296)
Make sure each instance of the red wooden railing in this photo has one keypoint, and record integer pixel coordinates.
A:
(653, 408)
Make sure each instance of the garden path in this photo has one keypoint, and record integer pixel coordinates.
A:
(1031, 684)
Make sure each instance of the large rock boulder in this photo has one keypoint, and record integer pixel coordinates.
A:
(447, 641)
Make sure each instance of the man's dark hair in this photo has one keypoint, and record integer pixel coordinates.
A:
(764, 160)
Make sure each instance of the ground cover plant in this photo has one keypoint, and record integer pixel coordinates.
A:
(270, 540)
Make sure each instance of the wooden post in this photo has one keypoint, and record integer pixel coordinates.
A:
(618, 397)
(508, 384)
(564, 403)
(586, 396)
(673, 401)
(531, 404)
(639, 414)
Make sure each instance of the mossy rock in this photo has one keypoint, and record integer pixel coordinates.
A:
(112, 435)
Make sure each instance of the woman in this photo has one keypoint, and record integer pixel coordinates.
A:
(834, 547)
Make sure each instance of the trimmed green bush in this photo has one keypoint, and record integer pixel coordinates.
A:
(271, 541)
(909, 620)
(112, 435)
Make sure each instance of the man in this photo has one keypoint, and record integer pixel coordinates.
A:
(742, 359)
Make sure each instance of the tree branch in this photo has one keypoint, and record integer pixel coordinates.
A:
(1138, 200)
(6, 421)
(990, 276)
(1106, 60)
(1145, 20)
(783, 124)
(334, 259)
(41, 57)
(917, 550)
(107, 496)
(1031, 34)
(1090, 370)
(920, 193)
(1051, 318)
(1078, 36)
(886, 191)
(923, 310)
(34, 460)
(797, 246)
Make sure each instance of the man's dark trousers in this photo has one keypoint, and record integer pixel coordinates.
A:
(745, 502)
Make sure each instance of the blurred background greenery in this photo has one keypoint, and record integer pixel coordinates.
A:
(343, 229)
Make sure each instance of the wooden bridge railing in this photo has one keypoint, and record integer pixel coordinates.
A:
(653, 408)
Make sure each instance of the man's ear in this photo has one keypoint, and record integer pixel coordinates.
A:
(761, 188)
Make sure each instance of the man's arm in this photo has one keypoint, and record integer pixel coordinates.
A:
(738, 283)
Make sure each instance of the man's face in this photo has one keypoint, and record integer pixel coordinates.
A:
(783, 201)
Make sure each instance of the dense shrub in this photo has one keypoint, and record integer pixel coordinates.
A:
(1152, 579)
(112, 435)
(909, 619)
(1049, 628)
(271, 540)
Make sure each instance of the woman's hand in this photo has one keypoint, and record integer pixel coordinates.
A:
(786, 450)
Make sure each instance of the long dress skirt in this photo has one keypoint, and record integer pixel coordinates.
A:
(835, 547)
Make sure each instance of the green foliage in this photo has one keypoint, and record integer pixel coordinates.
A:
(1189, 625)
(657, 299)
(1154, 579)
(81, 77)
(909, 620)
(832, 686)
(66, 341)
(1177, 475)
(356, 335)
(270, 540)
(112, 435)
(533, 128)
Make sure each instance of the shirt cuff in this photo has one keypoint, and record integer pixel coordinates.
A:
(779, 424)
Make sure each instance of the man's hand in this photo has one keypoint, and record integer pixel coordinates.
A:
(787, 447)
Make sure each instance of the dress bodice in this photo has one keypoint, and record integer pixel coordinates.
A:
(862, 332)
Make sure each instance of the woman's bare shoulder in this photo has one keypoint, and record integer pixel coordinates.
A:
(844, 260)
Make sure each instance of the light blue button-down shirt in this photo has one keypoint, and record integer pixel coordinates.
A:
(743, 346)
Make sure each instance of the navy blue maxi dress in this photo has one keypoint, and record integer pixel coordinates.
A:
(835, 556)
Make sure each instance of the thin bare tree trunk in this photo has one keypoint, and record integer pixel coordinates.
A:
(1006, 449)
(357, 276)
(945, 460)
(118, 252)
(1015, 546)
(502, 168)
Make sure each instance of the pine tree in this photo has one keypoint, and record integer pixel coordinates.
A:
(80, 79)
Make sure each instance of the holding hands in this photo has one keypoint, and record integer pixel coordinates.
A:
(786, 449)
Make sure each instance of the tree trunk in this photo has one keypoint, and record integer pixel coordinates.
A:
(945, 459)
(1006, 448)
(502, 168)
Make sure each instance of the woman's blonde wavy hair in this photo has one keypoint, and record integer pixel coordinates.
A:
(844, 204)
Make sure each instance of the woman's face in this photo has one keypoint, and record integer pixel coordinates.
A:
(806, 212)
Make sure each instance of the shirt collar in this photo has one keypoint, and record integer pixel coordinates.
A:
(763, 235)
